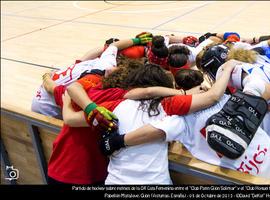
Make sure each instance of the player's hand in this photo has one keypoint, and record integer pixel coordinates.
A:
(230, 65)
(191, 41)
(106, 113)
(98, 120)
(66, 99)
(144, 34)
(143, 40)
(112, 143)
(100, 117)
(206, 36)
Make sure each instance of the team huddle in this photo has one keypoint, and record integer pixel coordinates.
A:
(123, 103)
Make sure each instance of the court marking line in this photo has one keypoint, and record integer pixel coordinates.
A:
(101, 24)
(169, 2)
(184, 14)
(28, 9)
(75, 4)
(28, 63)
(227, 19)
(70, 20)
(30, 17)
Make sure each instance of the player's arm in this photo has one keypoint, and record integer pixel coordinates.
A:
(220, 37)
(92, 54)
(79, 95)
(175, 39)
(70, 117)
(142, 135)
(206, 99)
(157, 91)
(93, 115)
(256, 39)
(150, 92)
(266, 94)
(123, 44)
(189, 40)
(91, 110)
(182, 105)
(167, 129)
(81, 98)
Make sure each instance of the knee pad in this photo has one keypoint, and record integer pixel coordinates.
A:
(230, 131)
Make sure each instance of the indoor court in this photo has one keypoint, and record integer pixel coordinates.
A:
(39, 36)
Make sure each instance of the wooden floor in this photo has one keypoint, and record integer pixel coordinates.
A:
(39, 35)
(53, 34)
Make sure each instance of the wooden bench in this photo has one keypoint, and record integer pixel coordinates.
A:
(27, 139)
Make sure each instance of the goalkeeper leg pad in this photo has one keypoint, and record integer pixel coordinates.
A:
(230, 131)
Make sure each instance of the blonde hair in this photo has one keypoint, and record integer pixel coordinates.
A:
(244, 55)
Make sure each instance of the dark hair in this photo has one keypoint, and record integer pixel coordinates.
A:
(188, 78)
(147, 76)
(159, 48)
(178, 56)
(118, 77)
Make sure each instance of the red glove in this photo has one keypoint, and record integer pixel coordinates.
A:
(98, 120)
(191, 41)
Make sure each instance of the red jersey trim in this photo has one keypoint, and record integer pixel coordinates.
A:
(177, 105)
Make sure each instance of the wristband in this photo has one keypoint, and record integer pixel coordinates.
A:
(89, 108)
(136, 41)
(254, 40)
(121, 141)
(125, 145)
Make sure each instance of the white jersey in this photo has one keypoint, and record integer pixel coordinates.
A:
(244, 45)
(260, 69)
(44, 102)
(255, 159)
(140, 164)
